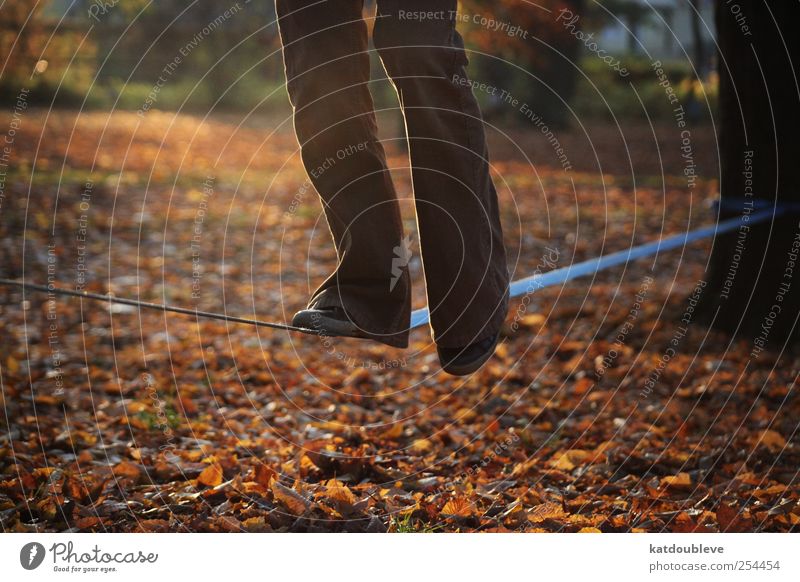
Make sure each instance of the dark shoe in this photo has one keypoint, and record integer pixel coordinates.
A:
(327, 321)
(466, 360)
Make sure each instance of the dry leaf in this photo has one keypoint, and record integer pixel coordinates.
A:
(458, 507)
(773, 440)
(547, 510)
(338, 491)
(290, 499)
(263, 475)
(393, 432)
(679, 481)
(422, 446)
(571, 459)
(211, 476)
(127, 469)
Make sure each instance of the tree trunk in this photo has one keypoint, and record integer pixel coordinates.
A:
(753, 282)
(699, 48)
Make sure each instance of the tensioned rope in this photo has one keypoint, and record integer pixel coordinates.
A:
(421, 316)
(596, 264)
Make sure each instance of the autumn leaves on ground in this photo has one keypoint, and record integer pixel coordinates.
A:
(601, 412)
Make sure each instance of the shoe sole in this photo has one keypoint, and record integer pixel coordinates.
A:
(326, 326)
(473, 366)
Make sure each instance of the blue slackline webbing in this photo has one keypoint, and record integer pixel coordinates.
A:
(517, 288)
(592, 266)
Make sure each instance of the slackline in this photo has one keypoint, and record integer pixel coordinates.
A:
(420, 317)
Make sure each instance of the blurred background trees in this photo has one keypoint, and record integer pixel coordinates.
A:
(103, 54)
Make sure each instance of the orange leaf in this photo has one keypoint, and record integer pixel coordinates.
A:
(394, 432)
(211, 476)
(773, 440)
(458, 507)
(127, 469)
(679, 481)
(290, 499)
(338, 491)
(263, 475)
(570, 459)
(422, 445)
(547, 510)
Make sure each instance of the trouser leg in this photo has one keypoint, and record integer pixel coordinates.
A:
(456, 202)
(327, 68)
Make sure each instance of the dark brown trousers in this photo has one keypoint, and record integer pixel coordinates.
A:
(325, 48)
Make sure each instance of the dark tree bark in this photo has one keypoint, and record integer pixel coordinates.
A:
(699, 47)
(751, 270)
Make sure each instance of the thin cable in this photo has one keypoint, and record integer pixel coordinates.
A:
(596, 264)
(422, 316)
(157, 306)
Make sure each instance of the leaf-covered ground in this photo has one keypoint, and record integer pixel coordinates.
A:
(602, 410)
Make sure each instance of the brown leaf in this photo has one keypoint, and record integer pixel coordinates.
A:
(393, 432)
(570, 459)
(211, 476)
(679, 481)
(458, 507)
(547, 510)
(263, 475)
(290, 499)
(127, 469)
(773, 440)
(338, 491)
(422, 446)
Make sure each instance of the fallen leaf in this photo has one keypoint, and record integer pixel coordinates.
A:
(422, 446)
(263, 475)
(127, 469)
(458, 507)
(679, 481)
(290, 499)
(338, 491)
(211, 476)
(773, 440)
(570, 459)
(547, 510)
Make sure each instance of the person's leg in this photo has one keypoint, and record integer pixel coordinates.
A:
(327, 69)
(459, 223)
